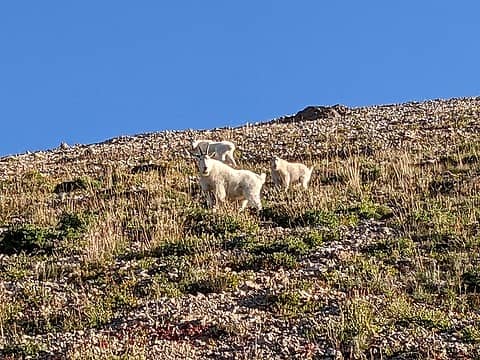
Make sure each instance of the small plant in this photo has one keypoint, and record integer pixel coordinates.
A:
(439, 242)
(121, 296)
(279, 214)
(369, 172)
(370, 210)
(97, 314)
(391, 248)
(278, 260)
(272, 261)
(315, 238)
(431, 217)
(73, 225)
(161, 286)
(18, 268)
(471, 334)
(211, 284)
(10, 312)
(183, 247)
(290, 244)
(366, 273)
(202, 222)
(34, 182)
(375, 211)
(318, 218)
(428, 319)
(405, 313)
(275, 253)
(27, 350)
(353, 330)
(291, 303)
(28, 238)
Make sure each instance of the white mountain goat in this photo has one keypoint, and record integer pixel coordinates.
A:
(221, 182)
(223, 149)
(286, 173)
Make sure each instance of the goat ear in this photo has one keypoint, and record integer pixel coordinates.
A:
(212, 155)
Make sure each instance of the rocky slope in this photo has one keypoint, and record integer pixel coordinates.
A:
(355, 274)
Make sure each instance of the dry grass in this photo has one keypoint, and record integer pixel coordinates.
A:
(426, 270)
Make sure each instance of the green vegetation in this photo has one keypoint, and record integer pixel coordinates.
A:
(29, 239)
(200, 222)
(383, 245)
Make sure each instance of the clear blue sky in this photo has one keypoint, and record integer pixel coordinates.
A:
(85, 71)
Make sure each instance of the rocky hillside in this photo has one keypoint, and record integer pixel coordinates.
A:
(108, 251)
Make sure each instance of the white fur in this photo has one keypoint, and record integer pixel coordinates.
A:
(222, 150)
(286, 173)
(221, 182)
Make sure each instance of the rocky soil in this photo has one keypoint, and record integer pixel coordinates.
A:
(239, 323)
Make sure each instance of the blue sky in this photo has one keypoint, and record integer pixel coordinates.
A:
(85, 71)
